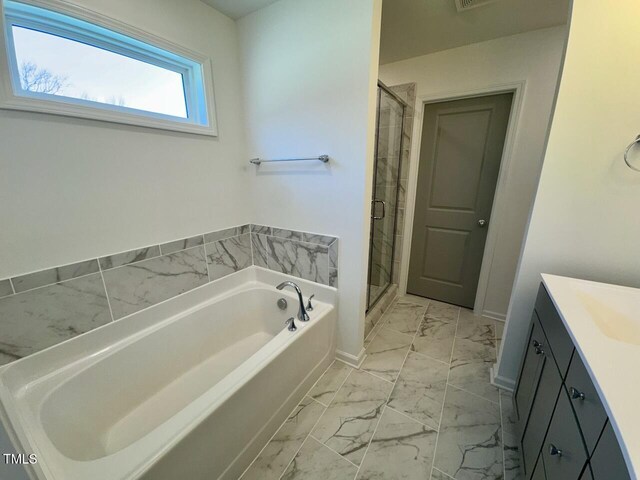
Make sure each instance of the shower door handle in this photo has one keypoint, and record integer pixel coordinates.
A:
(384, 208)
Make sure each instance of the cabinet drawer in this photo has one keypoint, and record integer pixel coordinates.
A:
(559, 339)
(586, 402)
(544, 401)
(607, 461)
(563, 450)
(529, 371)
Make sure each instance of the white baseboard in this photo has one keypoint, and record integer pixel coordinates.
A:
(351, 360)
(500, 317)
(501, 382)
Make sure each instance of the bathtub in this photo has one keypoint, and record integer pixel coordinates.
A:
(189, 388)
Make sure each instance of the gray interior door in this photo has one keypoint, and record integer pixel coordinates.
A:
(460, 153)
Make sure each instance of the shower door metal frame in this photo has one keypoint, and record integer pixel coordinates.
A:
(382, 87)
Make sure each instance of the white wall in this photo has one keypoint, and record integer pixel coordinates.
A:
(585, 222)
(533, 58)
(72, 189)
(310, 71)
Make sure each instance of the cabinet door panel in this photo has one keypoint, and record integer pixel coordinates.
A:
(563, 451)
(607, 461)
(586, 475)
(529, 372)
(538, 473)
(586, 402)
(554, 329)
(543, 404)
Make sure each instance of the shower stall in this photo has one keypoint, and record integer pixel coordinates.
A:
(384, 203)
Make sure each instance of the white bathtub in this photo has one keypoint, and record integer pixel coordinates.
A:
(191, 388)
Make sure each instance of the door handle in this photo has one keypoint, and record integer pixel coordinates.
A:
(482, 223)
(384, 208)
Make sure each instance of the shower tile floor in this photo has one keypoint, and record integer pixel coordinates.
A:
(420, 407)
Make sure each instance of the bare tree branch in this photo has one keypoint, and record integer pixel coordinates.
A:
(41, 80)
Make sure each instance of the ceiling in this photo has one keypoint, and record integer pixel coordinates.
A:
(238, 8)
(417, 27)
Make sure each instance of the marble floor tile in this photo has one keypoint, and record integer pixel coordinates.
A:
(472, 351)
(372, 333)
(469, 445)
(408, 298)
(350, 420)
(326, 387)
(435, 339)
(401, 449)
(477, 328)
(438, 475)
(419, 391)
(404, 317)
(314, 461)
(442, 311)
(386, 353)
(474, 377)
(509, 420)
(470, 366)
(512, 470)
(274, 458)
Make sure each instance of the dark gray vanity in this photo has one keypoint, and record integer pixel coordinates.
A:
(563, 426)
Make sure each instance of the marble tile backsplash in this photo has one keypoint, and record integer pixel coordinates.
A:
(301, 254)
(41, 309)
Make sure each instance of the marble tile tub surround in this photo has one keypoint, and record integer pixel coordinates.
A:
(301, 254)
(408, 414)
(41, 309)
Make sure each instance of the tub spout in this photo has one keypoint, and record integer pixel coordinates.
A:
(303, 316)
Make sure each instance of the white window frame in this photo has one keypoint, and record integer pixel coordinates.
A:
(195, 68)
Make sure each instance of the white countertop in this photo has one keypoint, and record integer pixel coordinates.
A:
(604, 323)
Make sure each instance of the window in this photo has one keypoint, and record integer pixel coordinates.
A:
(60, 63)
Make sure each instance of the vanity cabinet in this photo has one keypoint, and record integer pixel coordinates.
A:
(563, 426)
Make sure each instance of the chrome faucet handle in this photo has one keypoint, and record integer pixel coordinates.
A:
(303, 316)
(292, 325)
(309, 306)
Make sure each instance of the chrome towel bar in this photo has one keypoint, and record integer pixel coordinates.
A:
(258, 161)
(626, 152)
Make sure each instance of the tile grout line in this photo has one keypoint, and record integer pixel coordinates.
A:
(424, 355)
(106, 292)
(446, 387)
(320, 378)
(59, 282)
(437, 469)
(412, 419)
(206, 261)
(326, 446)
(312, 428)
(274, 434)
(13, 289)
(384, 407)
(472, 393)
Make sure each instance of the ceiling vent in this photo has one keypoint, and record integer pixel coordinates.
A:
(464, 5)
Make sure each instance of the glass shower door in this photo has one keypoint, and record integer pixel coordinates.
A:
(385, 194)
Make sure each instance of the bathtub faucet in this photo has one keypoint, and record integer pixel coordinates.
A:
(303, 316)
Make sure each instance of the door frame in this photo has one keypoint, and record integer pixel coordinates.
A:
(499, 204)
